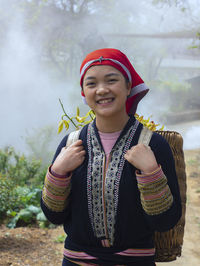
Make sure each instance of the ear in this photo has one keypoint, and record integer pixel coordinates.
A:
(82, 93)
(129, 88)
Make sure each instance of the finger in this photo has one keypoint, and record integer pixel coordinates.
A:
(63, 149)
(126, 156)
(77, 143)
(128, 152)
(133, 148)
(82, 153)
(79, 148)
(81, 157)
(145, 145)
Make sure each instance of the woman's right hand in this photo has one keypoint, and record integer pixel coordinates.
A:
(69, 158)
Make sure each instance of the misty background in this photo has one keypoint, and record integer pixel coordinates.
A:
(43, 42)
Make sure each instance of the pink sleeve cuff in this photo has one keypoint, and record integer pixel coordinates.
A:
(57, 175)
(150, 177)
(155, 193)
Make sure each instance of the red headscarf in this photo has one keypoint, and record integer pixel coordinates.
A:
(118, 60)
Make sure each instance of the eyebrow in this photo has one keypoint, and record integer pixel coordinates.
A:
(106, 76)
(111, 74)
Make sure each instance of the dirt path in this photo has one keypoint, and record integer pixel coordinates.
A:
(30, 246)
(33, 246)
(191, 246)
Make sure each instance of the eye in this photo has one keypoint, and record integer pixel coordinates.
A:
(112, 80)
(90, 84)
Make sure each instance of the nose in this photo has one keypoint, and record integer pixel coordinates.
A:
(102, 89)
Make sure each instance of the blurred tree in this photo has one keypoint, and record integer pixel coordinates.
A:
(59, 37)
(64, 31)
(185, 6)
(61, 30)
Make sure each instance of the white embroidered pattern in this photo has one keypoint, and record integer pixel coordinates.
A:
(112, 180)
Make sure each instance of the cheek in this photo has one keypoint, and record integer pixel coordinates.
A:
(89, 97)
(84, 92)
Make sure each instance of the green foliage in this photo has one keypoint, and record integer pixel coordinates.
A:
(196, 44)
(171, 91)
(21, 181)
(26, 209)
(60, 238)
(7, 196)
(174, 86)
(25, 216)
(42, 220)
(20, 205)
(29, 215)
(19, 168)
(27, 196)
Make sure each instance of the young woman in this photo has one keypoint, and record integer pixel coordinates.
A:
(108, 191)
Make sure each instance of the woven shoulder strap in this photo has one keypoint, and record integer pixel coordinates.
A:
(145, 136)
(73, 136)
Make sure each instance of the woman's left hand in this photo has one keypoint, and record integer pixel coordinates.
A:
(142, 157)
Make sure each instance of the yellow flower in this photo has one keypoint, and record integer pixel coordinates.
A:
(81, 119)
(147, 123)
(60, 126)
(91, 114)
(66, 123)
(77, 111)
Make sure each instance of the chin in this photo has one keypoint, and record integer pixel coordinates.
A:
(107, 114)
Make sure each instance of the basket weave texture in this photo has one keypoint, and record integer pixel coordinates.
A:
(169, 244)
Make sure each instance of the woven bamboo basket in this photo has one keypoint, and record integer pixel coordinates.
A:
(169, 244)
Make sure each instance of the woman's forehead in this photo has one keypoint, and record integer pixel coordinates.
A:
(101, 70)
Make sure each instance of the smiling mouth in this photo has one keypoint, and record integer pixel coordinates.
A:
(103, 101)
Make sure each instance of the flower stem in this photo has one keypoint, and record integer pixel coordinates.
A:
(66, 113)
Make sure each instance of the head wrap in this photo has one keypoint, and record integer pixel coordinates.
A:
(118, 60)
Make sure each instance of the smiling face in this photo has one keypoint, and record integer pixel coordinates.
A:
(106, 91)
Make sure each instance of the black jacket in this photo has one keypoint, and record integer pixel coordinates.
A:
(134, 228)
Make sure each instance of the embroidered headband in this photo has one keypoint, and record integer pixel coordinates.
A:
(92, 62)
(118, 60)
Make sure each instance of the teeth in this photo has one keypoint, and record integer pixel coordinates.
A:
(105, 101)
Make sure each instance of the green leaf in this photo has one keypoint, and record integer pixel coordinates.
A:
(60, 238)
(25, 215)
(13, 222)
(193, 47)
(41, 217)
(33, 209)
(11, 213)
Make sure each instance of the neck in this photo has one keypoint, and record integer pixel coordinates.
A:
(111, 124)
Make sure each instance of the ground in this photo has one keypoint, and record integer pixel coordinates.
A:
(32, 246)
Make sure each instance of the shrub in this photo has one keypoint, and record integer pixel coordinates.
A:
(7, 196)
(26, 209)
(20, 169)
(21, 181)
